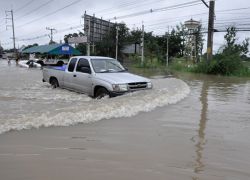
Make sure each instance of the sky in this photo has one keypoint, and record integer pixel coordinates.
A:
(31, 17)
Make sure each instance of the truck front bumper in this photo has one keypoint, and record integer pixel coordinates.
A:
(114, 94)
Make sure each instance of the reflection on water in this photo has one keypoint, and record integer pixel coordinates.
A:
(226, 101)
(199, 166)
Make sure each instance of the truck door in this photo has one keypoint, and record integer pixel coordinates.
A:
(83, 79)
(69, 74)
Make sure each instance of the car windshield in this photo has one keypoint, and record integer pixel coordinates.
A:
(107, 65)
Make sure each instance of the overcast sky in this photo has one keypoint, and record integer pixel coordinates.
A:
(33, 16)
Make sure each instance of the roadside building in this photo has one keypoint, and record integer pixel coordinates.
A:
(51, 54)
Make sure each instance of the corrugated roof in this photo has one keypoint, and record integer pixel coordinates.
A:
(53, 49)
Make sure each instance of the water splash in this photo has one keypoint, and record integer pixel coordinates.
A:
(86, 110)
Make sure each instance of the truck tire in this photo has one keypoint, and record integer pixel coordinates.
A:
(101, 93)
(54, 83)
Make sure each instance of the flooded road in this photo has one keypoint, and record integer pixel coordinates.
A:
(197, 132)
(27, 102)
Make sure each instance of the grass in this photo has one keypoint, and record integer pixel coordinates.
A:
(226, 66)
(151, 66)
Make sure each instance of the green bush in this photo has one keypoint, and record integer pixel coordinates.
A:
(223, 65)
(230, 60)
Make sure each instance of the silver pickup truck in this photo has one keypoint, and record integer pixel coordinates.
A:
(95, 76)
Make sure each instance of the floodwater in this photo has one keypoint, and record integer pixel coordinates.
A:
(196, 128)
(26, 102)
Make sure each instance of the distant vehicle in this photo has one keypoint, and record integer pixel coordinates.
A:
(95, 76)
(29, 64)
(52, 62)
(7, 56)
(48, 62)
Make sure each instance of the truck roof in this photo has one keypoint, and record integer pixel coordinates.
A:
(92, 57)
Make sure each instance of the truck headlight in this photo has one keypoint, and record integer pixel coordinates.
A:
(149, 85)
(120, 87)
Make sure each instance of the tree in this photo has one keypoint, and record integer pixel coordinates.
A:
(106, 47)
(231, 46)
(229, 60)
(81, 46)
(52, 42)
(134, 37)
(1, 50)
(151, 46)
(29, 46)
(182, 32)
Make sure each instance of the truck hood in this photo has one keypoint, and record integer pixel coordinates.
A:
(121, 78)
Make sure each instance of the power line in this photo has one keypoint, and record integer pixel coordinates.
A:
(25, 5)
(219, 11)
(135, 4)
(204, 2)
(36, 9)
(236, 19)
(183, 5)
(34, 38)
(235, 9)
(46, 35)
(49, 14)
(70, 26)
(129, 3)
(132, 14)
(160, 9)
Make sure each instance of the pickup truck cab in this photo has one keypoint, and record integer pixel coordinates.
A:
(96, 76)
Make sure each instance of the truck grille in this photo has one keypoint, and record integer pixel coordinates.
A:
(137, 85)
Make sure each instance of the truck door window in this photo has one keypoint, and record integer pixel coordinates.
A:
(82, 63)
(72, 65)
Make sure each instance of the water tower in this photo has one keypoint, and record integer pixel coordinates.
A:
(192, 26)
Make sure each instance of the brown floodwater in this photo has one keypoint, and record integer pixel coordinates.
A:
(197, 132)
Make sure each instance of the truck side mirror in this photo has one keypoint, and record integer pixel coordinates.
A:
(86, 70)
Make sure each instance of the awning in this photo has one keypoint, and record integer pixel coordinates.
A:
(53, 49)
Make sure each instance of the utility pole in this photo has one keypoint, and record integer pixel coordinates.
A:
(117, 40)
(13, 28)
(88, 45)
(142, 45)
(51, 34)
(93, 48)
(210, 31)
(167, 47)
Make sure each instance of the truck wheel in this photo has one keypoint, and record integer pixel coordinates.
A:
(101, 92)
(54, 83)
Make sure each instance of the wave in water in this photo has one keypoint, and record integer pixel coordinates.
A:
(166, 91)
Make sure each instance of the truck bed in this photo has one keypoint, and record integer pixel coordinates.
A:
(54, 71)
(60, 68)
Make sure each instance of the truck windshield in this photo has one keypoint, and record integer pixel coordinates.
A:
(107, 66)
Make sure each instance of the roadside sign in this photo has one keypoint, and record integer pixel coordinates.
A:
(76, 40)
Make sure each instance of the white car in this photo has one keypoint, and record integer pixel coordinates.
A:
(29, 64)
